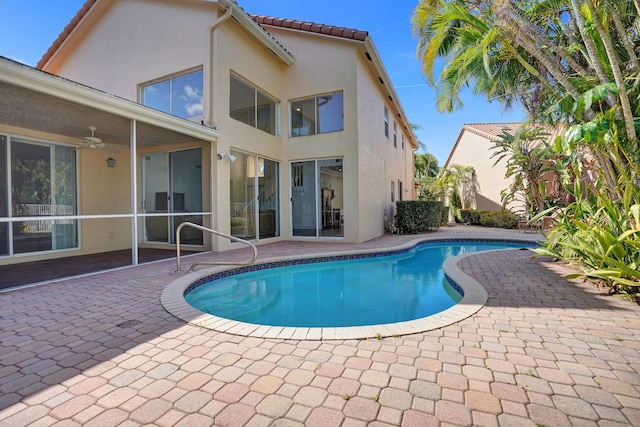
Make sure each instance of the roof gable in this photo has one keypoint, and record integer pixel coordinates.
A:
(489, 131)
(237, 12)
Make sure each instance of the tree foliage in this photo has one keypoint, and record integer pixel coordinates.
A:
(572, 64)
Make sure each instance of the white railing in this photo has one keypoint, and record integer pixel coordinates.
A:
(216, 233)
(44, 225)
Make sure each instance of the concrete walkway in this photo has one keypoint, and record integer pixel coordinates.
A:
(100, 350)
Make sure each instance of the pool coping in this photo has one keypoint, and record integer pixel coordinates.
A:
(474, 298)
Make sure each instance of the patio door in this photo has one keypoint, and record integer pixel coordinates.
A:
(172, 187)
(254, 208)
(317, 198)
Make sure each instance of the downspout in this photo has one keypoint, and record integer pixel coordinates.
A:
(213, 65)
(209, 119)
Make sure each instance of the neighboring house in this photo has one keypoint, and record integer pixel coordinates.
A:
(473, 148)
(260, 127)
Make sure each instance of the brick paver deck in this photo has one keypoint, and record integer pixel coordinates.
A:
(101, 351)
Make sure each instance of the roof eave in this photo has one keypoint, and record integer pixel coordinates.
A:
(25, 76)
(240, 15)
(371, 50)
(257, 31)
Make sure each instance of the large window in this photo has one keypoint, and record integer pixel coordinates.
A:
(252, 107)
(320, 114)
(180, 95)
(43, 184)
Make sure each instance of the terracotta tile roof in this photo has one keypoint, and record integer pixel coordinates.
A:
(491, 130)
(312, 27)
(65, 33)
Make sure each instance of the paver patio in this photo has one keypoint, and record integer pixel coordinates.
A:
(100, 350)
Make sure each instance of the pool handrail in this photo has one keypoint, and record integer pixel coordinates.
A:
(217, 233)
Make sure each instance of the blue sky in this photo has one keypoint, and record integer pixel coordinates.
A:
(29, 27)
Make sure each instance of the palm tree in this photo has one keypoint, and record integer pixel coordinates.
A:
(458, 185)
(569, 62)
(529, 160)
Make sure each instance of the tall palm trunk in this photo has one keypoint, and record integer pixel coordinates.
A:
(614, 61)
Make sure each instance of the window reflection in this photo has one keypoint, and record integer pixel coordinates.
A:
(320, 114)
(252, 107)
(180, 96)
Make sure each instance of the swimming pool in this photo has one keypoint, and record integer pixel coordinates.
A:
(358, 290)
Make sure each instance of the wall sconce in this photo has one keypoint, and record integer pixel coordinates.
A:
(222, 155)
(111, 162)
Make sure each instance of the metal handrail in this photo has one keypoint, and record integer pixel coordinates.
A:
(217, 233)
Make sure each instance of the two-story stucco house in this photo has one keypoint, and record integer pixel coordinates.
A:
(145, 114)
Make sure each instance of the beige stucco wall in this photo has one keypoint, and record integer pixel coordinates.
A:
(475, 150)
(316, 72)
(379, 161)
(125, 43)
(121, 46)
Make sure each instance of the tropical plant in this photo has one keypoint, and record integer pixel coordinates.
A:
(459, 185)
(426, 169)
(572, 64)
(530, 162)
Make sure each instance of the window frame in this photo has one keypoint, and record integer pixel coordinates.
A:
(256, 110)
(317, 112)
(170, 78)
(393, 190)
(386, 121)
(395, 134)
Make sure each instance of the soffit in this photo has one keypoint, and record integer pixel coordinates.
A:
(28, 109)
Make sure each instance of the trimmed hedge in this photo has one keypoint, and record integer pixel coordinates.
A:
(500, 219)
(416, 216)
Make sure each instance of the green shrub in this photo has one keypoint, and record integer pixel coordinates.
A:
(487, 219)
(500, 219)
(416, 216)
(445, 215)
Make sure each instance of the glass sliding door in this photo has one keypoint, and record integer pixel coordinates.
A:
(43, 181)
(185, 184)
(330, 184)
(317, 198)
(304, 204)
(268, 200)
(172, 186)
(4, 202)
(156, 190)
(254, 209)
(242, 197)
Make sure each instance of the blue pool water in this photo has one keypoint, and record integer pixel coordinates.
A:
(352, 292)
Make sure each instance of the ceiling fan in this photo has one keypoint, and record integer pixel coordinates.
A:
(94, 142)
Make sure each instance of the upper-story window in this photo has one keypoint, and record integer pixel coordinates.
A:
(403, 141)
(318, 114)
(386, 122)
(252, 107)
(179, 95)
(395, 134)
